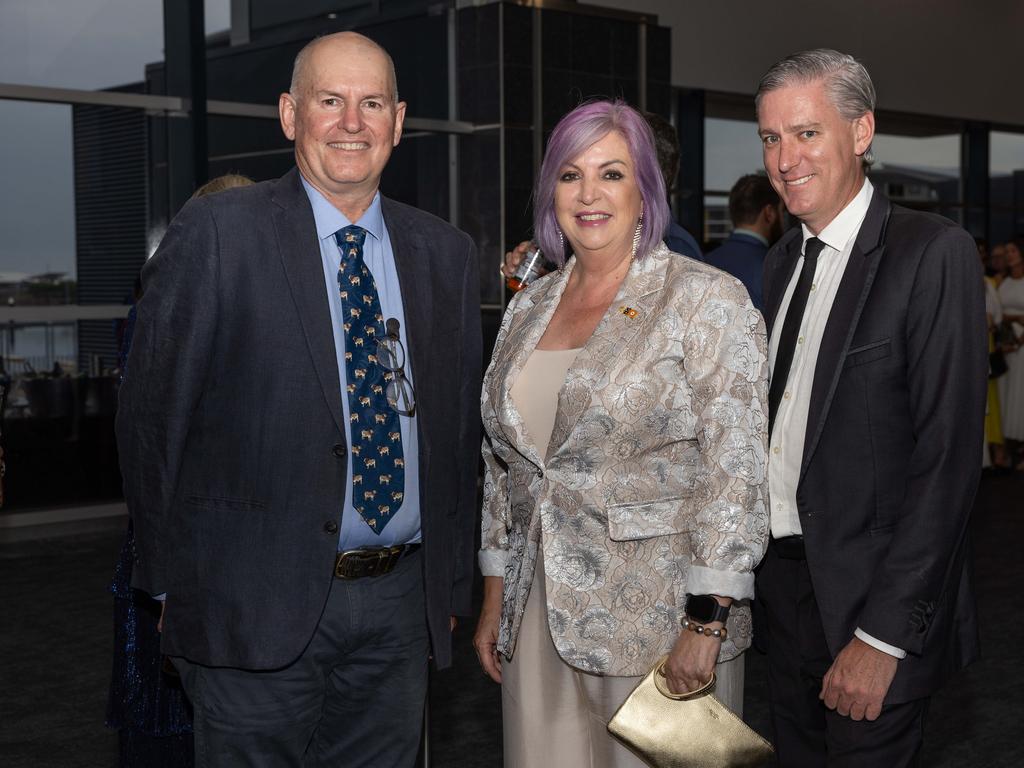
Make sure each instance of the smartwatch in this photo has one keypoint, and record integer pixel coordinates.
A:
(704, 609)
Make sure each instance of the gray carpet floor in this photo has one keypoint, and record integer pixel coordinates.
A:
(55, 651)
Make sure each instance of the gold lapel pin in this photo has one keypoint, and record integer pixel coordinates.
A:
(628, 312)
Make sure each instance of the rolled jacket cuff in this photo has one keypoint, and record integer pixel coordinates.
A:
(708, 581)
(493, 562)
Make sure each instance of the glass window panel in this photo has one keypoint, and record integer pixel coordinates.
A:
(75, 206)
(217, 16)
(920, 172)
(38, 214)
(1006, 193)
(731, 149)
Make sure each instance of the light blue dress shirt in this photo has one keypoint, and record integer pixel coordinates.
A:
(404, 525)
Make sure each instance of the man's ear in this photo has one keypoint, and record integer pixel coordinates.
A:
(863, 132)
(286, 112)
(399, 121)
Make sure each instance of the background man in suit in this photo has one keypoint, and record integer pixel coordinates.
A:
(877, 346)
(666, 144)
(298, 438)
(757, 218)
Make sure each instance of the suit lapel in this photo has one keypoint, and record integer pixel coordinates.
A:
(779, 266)
(616, 331)
(300, 254)
(843, 318)
(520, 342)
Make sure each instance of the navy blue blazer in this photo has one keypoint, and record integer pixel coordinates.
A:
(679, 240)
(742, 256)
(231, 435)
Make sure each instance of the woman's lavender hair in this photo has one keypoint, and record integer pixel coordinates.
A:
(574, 133)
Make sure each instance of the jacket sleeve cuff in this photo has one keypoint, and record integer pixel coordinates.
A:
(708, 581)
(493, 562)
(874, 642)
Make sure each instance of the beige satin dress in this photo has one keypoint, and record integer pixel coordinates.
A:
(554, 714)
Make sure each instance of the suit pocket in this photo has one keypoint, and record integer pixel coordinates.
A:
(223, 503)
(867, 353)
(645, 519)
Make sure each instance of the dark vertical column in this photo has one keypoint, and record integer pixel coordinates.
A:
(690, 195)
(185, 52)
(1018, 203)
(974, 165)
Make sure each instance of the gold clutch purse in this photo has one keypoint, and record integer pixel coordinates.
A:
(690, 730)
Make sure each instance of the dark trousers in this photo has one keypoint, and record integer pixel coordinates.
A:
(354, 698)
(806, 733)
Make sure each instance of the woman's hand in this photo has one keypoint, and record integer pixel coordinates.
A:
(692, 660)
(514, 258)
(485, 639)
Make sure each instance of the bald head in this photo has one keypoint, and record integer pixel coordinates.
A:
(351, 43)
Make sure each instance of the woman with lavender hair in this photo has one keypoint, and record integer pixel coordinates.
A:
(625, 410)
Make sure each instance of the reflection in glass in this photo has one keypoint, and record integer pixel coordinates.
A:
(1006, 190)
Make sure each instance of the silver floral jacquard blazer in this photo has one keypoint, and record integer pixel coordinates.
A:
(654, 483)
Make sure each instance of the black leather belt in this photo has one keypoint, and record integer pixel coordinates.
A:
(789, 547)
(370, 561)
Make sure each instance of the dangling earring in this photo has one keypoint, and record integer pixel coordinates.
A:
(637, 234)
(561, 238)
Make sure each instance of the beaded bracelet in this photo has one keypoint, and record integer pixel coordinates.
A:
(721, 634)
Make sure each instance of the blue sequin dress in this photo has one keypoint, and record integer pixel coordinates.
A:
(146, 705)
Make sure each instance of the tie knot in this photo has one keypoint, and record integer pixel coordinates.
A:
(350, 237)
(812, 249)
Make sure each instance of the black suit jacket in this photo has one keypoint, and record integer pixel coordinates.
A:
(891, 456)
(230, 429)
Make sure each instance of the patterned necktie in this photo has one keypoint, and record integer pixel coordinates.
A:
(378, 464)
(791, 328)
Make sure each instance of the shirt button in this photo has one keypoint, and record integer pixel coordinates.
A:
(540, 473)
(330, 527)
(778, 507)
(814, 286)
(776, 449)
(800, 340)
(787, 396)
(339, 451)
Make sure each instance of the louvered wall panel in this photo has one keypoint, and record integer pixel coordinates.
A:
(110, 217)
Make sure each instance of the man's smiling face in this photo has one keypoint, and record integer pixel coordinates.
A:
(811, 152)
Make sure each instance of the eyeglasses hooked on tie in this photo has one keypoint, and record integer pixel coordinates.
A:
(391, 357)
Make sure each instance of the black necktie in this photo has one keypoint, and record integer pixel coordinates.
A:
(791, 328)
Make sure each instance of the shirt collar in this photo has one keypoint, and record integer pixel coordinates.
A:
(329, 219)
(751, 233)
(844, 226)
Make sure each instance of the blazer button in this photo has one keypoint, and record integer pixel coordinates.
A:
(331, 527)
(339, 451)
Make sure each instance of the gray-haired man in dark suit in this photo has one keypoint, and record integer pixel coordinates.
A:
(298, 437)
(877, 343)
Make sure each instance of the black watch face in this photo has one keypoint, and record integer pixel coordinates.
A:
(701, 608)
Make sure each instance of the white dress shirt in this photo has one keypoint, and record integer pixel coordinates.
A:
(787, 442)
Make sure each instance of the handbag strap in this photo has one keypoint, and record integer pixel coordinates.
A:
(661, 683)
